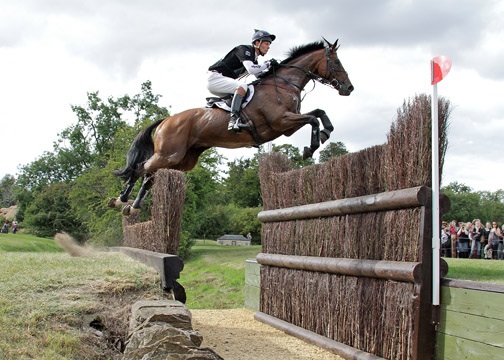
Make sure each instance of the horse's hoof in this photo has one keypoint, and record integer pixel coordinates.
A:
(307, 153)
(324, 135)
(111, 203)
(126, 210)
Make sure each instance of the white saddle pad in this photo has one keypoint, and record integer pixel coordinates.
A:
(224, 106)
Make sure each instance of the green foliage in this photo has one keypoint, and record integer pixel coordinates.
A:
(242, 183)
(332, 150)
(50, 212)
(231, 219)
(203, 189)
(7, 197)
(467, 205)
(87, 199)
(185, 244)
(244, 221)
(83, 159)
(216, 222)
(294, 154)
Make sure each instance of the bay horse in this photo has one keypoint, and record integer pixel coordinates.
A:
(274, 110)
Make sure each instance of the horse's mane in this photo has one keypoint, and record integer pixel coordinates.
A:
(298, 51)
(294, 53)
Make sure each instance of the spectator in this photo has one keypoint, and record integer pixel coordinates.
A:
(463, 240)
(486, 234)
(493, 241)
(445, 240)
(476, 235)
(14, 226)
(500, 248)
(5, 228)
(453, 235)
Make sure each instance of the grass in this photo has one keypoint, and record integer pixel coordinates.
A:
(26, 243)
(476, 270)
(214, 276)
(48, 299)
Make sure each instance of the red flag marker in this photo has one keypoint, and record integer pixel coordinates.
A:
(440, 66)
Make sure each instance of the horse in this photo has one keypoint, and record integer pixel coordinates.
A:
(274, 110)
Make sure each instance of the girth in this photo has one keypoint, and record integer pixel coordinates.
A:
(251, 128)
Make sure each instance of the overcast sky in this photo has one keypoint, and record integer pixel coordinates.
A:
(53, 52)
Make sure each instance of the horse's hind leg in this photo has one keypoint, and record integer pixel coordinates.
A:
(147, 183)
(124, 195)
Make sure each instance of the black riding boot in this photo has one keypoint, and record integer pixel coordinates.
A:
(235, 112)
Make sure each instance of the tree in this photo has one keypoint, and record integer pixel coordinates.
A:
(467, 205)
(84, 157)
(50, 212)
(332, 150)
(242, 183)
(203, 190)
(458, 188)
(7, 197)
(294, 155)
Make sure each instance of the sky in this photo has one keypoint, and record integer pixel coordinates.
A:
(53, 52)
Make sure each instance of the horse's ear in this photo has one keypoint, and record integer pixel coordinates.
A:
(328, 44)
(334, 46)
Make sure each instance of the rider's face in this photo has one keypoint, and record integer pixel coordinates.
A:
(264, 47)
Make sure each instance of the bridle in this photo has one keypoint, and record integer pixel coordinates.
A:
(331, 69)
(329, 77)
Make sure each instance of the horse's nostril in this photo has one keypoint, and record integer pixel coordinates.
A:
(350, 88)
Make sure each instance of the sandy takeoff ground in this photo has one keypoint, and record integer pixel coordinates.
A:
(235, 335)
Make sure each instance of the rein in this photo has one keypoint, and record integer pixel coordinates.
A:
(331, 70)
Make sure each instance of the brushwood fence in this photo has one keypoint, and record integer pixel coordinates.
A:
(162, 233)
(346, 258)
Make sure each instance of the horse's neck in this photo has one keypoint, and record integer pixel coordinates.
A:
(296, 72)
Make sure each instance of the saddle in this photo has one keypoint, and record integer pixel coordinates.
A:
(224, 103)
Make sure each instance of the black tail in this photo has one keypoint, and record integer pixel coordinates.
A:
(140, 150)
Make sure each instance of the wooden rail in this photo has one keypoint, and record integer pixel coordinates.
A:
(391, 270)
(392, 200)
(169, 268)
(335, 347)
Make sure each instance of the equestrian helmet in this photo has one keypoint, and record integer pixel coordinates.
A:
(261, 35)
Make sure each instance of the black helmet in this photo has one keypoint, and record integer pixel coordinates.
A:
(262, 35)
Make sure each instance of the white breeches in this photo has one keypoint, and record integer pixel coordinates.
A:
(220, 85)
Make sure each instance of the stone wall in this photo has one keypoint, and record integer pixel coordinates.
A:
(162, 329)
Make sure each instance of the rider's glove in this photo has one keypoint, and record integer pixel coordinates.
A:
(273, 62)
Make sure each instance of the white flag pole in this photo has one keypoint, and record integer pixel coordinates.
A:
(435, 195)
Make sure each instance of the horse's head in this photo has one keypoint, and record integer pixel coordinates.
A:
(332, 71)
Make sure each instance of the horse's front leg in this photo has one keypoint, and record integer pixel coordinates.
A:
(293, 122)
(326, 123)
(314, 141)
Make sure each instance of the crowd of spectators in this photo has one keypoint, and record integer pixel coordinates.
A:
(472, 240)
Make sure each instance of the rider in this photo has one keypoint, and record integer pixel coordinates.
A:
(225, 72)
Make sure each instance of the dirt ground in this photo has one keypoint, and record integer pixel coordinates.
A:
(235, 335)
